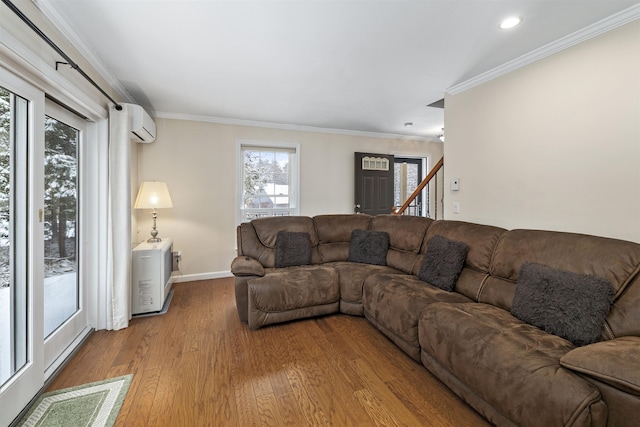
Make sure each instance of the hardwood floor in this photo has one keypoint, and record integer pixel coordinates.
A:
(197, 365)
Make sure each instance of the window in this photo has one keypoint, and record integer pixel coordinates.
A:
(61, 296)
(14, 140)
(269, 177)
(407, 177)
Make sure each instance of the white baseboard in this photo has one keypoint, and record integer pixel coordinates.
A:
(201, 276)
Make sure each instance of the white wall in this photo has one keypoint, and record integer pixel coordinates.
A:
(554, 145)
(198, 162)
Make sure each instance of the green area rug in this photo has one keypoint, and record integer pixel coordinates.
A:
(95, 404)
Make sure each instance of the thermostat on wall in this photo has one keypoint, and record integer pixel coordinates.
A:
(455, 184)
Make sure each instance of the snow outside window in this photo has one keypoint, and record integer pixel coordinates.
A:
(269, 180)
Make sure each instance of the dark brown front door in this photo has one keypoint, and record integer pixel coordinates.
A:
(374, 183)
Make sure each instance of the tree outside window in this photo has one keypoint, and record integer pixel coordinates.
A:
(5, 187)
(267, 185)
(60, 196)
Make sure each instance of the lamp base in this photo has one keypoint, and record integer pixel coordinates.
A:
(154, 231)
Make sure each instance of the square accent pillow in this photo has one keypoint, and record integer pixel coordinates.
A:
(570, 305)
(369, 247)
(292, 248)
(443, 262)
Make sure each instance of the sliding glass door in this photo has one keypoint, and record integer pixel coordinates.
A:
(21, 261)
(13, 295)
(42, 298)
(64, 308)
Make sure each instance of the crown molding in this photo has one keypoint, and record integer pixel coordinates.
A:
(610, 23)
(49, 11)
(283, 126)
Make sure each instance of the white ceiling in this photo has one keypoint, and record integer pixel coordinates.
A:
(353, 65)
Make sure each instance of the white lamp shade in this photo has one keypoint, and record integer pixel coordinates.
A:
(153, 195)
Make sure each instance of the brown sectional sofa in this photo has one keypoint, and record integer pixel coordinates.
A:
(512, 372)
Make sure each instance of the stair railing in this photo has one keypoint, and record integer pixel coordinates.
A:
(436, 168)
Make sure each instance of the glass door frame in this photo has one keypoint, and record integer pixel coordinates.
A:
(18, 390)
(63, 336)
(24, 72)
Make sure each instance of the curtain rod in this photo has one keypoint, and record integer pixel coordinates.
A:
(55, 47)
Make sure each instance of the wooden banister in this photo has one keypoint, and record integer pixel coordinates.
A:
(420, 187)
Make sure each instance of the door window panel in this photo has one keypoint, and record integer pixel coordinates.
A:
(61, 295)
(13, 233)
(407, 177)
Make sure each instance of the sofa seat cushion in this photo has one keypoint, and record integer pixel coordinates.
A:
(292, 293)
(511, 365)
(352, 276)
(393, 304)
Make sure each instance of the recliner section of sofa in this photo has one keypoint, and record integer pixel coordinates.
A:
(286, 295)
(511, 372)
(511, 366)
(394, 304)
(469, 341)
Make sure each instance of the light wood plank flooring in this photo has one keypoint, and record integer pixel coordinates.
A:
(197, 365)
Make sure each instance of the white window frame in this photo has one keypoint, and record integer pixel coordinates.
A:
(294, 176)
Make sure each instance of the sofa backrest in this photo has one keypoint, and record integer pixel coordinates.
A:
(481, 241)
(334, 234)
(614, 260)
(331, 236)
(406, 234)
(257, 239)
(624, 317)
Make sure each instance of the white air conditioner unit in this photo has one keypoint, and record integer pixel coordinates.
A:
(141, 125)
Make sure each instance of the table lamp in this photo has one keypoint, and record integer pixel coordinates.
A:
(153, 195)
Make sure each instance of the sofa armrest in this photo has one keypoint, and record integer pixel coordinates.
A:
(614, 362)
(246, 266)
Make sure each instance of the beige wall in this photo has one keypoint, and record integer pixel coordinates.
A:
(554, 145)
(198, 162)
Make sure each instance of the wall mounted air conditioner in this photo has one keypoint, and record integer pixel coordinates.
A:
(141, 125)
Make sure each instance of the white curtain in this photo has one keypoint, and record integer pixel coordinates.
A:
(119, 231)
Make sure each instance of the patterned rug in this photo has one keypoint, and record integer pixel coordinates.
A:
(95, 404)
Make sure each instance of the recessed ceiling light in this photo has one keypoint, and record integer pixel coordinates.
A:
(510, 22)
(408, 124)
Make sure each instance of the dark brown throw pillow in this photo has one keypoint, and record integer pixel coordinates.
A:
(570, 305)
(443, 262)
(369, 247)
(292, 248)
